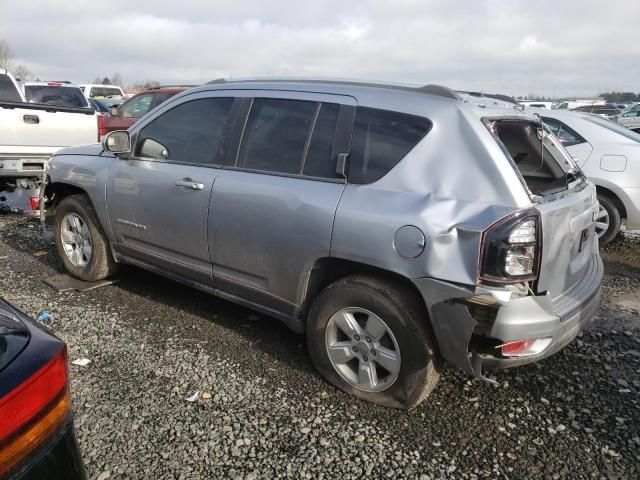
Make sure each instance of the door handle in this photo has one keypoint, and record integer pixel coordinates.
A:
(33, 119)
(188, 183)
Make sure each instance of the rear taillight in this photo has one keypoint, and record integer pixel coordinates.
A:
(34, 201)
(33, 412)
(511, 249)
(102, 126)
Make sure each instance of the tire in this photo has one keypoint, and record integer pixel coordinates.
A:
(95, 263)
(610, 231)
(403, 313)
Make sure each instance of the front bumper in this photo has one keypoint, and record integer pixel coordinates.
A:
(468, 340)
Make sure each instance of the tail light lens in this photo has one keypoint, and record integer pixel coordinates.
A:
(511, 249)
(35, 202)
(102, 126)
(33, 412)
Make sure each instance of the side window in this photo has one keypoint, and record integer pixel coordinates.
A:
(381, 138)
(136, 107)
(318, 161)
(8, 91)
(275, 135)
(191, 132)
(567, 136)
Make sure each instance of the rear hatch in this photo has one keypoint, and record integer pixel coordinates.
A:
(566, 201)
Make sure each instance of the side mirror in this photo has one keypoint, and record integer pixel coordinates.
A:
(113, 111)
(117, 142)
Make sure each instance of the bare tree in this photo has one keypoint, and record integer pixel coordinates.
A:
(116, 79)
(146, 84)
(22, 72)
(6, 54)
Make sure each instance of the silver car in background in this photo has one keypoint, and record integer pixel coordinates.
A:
(394, 225)
(609, 155)
(630, 118)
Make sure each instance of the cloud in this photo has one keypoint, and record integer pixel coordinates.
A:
(516, 47)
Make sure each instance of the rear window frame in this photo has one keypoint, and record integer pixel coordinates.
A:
(360, 108)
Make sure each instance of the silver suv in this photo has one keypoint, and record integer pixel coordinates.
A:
(396, 226)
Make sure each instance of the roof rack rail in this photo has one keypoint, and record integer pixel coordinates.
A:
(430, 89)
(439, 90)
(495, 96)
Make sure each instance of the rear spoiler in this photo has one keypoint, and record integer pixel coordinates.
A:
(48, 108)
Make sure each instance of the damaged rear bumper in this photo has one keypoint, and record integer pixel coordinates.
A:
(471, 323)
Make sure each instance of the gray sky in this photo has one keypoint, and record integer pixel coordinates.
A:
(508, 46)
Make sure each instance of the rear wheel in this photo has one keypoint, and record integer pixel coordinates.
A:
(370, 338)
(608, 220)
(81, 242)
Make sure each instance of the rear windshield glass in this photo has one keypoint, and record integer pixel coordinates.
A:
(381, 138)
(615, 127)
(543, 163)
(8, 91)
(105, 92)
(53, 95)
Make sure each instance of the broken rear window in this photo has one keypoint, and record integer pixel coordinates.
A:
(543, 163)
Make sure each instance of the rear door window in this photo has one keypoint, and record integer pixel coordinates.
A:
(381, 138)
(55, 95)
(319, 161)
(191, 132)
(275, 135)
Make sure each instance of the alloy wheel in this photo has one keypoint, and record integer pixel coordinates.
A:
(602, 221)
(76, 239)
(362, 349)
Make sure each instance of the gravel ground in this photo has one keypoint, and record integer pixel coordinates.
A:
(153, 343)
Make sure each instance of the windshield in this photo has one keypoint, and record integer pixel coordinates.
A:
(614, 127)
(59, 96)
(105, 92)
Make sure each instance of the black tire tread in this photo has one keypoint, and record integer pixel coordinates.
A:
(102, 264)
(411, 308)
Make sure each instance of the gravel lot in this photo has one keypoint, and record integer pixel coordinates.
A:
(153, 343)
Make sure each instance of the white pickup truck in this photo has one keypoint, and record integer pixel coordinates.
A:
(29, 134)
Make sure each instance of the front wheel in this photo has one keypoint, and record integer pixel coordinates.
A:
(81, 242)
(370, 338)
(608, 221)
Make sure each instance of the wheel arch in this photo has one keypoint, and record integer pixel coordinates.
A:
(56, 191)
(328, 270)
(615, 198)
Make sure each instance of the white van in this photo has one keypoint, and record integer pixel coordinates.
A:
(92, 90)
(547, 105)
(571, 104)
